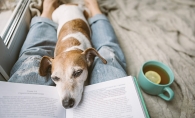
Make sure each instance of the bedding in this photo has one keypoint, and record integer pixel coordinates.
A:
(162, 30)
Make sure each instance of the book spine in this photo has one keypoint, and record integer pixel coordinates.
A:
(141, 98)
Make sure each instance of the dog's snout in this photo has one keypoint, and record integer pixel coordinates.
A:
(68, 103)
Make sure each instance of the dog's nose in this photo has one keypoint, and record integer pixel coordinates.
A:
(68, 103)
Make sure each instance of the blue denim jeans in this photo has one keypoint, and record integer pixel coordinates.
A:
(41, 41)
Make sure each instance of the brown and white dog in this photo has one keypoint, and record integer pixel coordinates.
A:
(73, 54)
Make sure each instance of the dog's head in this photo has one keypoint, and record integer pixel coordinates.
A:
(69, 71)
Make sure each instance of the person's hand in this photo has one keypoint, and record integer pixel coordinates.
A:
(48, 7)
(93, 7)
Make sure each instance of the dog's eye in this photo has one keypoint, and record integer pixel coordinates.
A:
(77, 73)
(55, 78)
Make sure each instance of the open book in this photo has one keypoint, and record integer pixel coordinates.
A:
(119, 98)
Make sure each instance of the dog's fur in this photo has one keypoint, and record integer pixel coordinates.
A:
(73, 54)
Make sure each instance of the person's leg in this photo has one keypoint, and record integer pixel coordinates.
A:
(105, 41)
(42, 33)
(40, 41)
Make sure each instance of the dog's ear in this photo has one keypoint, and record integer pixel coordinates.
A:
(45, 65)
(90, 54)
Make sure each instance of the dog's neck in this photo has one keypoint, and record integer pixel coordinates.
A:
(82, 39)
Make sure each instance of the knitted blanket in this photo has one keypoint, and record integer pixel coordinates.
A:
(162, 30)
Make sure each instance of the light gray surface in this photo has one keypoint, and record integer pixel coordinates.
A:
(9, 54)
(4, 17)
(6, 10)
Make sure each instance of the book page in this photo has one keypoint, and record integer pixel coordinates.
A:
(112, 99)
(29, 101)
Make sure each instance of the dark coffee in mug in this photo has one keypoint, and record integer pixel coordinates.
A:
(163, 74)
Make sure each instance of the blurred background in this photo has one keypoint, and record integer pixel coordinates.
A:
(6, 10)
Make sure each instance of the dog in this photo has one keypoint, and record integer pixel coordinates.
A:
(73, 54)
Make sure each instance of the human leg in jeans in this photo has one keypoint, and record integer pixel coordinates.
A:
(42, 38)
(40, 41)
(105, 41)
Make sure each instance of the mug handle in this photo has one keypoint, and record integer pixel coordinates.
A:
(169, 91)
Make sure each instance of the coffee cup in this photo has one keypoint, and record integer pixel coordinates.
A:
(155, 78)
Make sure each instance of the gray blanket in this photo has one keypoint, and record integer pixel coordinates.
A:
(162, 30)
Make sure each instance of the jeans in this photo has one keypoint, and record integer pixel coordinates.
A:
(41, 41)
